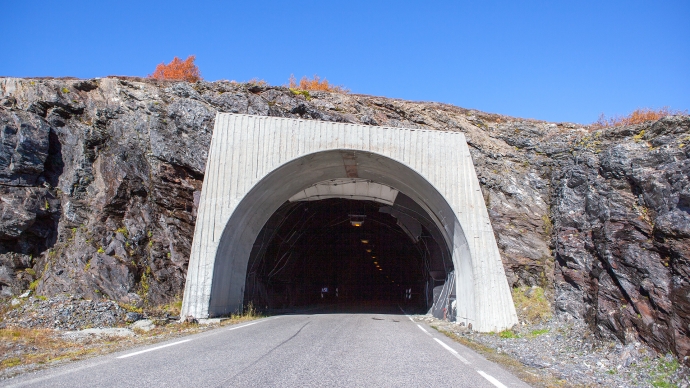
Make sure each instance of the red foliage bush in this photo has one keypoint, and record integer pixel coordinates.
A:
(315, 84)
(638, 116)
(178, 70)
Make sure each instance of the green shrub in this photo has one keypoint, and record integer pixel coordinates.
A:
(124, 231)
(33, 285)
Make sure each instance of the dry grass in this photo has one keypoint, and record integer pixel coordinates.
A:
(315, 84)
(23, 350)
(531, 304)
(638, 116)
(250, 313)
(257, 82)
(529, 375)
(43, 345)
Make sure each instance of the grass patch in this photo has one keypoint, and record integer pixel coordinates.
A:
(10, 362)
(524, 373)
(661, 375)
(124, 231)
(33, 285)
(47, 347)
(131, 308)
(538, 332)
(508, 334)
(173, 308)
(304, 93)
(531, 304)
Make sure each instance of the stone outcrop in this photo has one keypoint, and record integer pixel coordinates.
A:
(99, 181)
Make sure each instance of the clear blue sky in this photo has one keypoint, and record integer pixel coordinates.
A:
(553, 60)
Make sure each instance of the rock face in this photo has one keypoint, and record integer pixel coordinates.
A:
(99, 181)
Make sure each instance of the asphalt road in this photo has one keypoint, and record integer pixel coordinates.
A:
(365, 349)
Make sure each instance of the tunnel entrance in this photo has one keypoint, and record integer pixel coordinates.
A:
(252, 240)
(348, 253)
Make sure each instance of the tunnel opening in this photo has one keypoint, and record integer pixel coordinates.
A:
(350, 255)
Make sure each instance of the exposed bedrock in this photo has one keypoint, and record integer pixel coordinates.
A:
(99, 182)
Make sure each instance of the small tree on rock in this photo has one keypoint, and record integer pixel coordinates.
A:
(178, 70)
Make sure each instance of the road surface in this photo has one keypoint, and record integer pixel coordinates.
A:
(366, 349)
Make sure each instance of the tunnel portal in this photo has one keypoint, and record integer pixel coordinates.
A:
(257, 237)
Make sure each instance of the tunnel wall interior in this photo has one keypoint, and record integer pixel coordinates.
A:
(257, 164)
(345, 251)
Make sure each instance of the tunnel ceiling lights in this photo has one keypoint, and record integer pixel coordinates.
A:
(357, 220)
(368, 250)
(365, 241)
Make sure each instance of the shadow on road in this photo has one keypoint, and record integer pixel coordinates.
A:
(367, 307)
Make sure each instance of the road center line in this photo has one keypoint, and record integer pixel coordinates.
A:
(424, 330)
(152, 349)
(491, 379)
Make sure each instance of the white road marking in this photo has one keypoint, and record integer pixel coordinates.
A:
(453, 352)
(239, 327)
(487, 376)
(152, 349)
(424, 330)
(491, 379)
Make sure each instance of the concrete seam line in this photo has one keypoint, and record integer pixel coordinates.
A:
(424, 330)
(492, 379)
(152, 349)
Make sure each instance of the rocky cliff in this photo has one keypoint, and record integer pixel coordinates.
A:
(99, 181)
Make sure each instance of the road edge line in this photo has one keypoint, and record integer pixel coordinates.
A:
(152, 349)
(492, 379)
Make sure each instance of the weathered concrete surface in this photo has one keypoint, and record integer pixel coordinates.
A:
(257, 163)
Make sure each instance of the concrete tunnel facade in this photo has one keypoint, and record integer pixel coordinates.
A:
(257, 163)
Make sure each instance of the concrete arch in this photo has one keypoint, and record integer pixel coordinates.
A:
(257, 163)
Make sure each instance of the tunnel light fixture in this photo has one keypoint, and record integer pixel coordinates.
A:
(357, 220)
(365, 241)
(368, 250)
(376, 262)
(373, 257)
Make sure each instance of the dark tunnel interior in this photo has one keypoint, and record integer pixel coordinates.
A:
(348, 255)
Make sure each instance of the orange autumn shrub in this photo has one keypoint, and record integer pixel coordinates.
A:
(178, 69)
(315, 84)
(638, 116)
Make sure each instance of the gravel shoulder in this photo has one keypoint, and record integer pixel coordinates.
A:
(567, 354)
(41, 333)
